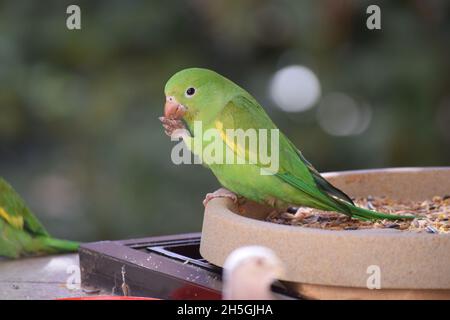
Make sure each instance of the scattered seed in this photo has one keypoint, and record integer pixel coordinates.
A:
(392, 225)
(431, 229)
(432, 215)
(292, 210)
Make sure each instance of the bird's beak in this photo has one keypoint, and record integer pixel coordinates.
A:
(173, 109)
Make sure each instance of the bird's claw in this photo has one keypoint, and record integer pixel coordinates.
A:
(220, 193)
(173, 128)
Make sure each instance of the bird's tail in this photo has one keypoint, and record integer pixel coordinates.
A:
(49, 245)
(323, 200)
(366, 214)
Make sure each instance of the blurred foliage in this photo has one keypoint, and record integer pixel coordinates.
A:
(79, 135)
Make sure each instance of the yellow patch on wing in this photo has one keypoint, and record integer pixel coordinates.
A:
(14, 221)
(229, 142)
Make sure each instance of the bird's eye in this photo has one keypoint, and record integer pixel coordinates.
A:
(190, 92)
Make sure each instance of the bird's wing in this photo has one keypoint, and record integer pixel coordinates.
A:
(14, 211)
(321, 182)
(244, 113)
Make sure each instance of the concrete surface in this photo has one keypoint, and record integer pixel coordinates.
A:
(47, 278)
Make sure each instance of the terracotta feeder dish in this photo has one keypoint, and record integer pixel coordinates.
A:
(342, 264)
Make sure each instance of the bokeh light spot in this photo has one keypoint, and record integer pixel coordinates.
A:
(340, 115)
(295, 88)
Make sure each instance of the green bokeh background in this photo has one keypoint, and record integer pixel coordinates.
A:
(79, 134)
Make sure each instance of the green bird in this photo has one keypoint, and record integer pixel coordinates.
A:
(21, 233)
(204, 96)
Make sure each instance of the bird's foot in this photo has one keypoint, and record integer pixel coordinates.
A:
(173, 128)
(220, 193)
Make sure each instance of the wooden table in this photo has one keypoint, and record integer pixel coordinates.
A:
(50, 277)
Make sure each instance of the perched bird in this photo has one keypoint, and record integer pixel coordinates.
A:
(203, 95)
(21, 233)
(249, 272)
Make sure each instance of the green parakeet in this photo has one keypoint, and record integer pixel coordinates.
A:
(21, 233)
(201, 95)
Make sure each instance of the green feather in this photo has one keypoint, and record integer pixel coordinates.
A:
(21, 233)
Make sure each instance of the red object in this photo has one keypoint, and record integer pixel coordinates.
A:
(109, 298)
(191, 292)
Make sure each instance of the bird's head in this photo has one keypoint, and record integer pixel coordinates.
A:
(196, 94)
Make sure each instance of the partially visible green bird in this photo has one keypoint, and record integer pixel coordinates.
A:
(197, 94)
(21, 233)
